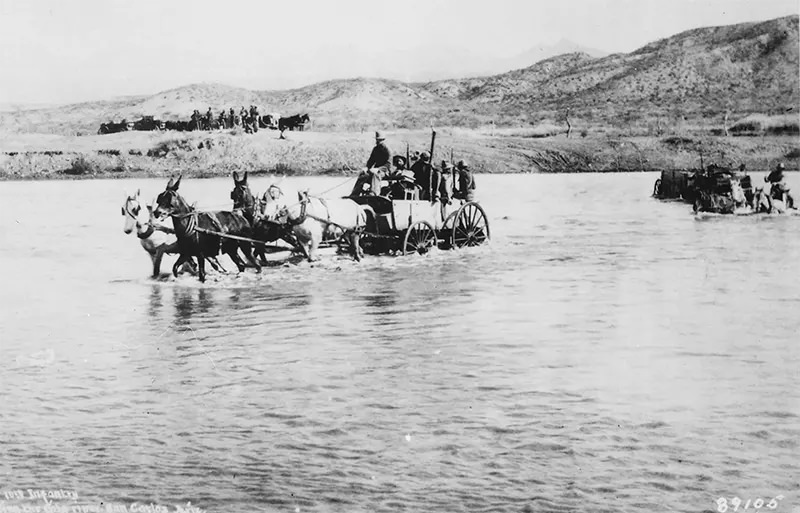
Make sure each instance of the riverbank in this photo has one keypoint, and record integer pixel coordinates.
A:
(208, 154)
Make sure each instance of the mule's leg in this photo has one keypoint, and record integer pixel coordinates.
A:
(181, 259)
(232, 250)
(312, 251)
(157, 256)
(201, 267)
(355, 246)
(261, 254)
(247, 249)
(358, 247)
(216, 265)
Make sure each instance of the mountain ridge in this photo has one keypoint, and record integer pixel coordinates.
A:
(698, 75)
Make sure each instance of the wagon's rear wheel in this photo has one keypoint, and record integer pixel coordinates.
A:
(470, 227)
(420, 238)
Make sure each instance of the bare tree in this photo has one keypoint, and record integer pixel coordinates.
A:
(569, 126)
(725, 122)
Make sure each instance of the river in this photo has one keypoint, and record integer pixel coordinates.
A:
(605, 352)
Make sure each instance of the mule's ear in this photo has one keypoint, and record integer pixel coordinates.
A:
(171, 183)
(177, 183)
(235, 177)
(244, 180)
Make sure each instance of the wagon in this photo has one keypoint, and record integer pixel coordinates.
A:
(410, 225)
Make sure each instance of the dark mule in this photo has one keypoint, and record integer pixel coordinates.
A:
(293, 122)
(193, 242)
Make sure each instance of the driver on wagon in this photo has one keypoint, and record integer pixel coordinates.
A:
(369, 181)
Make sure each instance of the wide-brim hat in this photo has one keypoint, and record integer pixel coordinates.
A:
(379, 136)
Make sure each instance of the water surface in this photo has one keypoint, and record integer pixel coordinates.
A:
(606, 352)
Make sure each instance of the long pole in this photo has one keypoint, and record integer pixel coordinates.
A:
(452, 175)
(430, 165)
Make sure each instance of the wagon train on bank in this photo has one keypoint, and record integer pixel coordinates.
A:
(394, 209)
(724, 190)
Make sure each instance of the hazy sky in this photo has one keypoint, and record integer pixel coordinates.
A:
(55, 51)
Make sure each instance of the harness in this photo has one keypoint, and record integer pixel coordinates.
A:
(147, 233)
(126, 210)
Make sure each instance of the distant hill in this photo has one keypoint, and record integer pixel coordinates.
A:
(696, 76)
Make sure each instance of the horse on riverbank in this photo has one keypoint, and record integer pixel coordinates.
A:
(201, 234)
(315, 219)
(296, 122)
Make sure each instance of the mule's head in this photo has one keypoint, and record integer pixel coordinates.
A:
(170, 202)
(131, 211)
(241, 195)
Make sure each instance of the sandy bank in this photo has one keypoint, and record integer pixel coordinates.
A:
(39, 156)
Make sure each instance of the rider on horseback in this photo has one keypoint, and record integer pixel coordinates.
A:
(779, 189)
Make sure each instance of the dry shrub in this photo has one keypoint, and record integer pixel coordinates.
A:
(81, 166)
(793, 154)
(171, 147)
(760, 124)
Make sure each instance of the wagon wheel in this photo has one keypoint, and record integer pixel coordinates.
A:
(420, 237)
(470, 227)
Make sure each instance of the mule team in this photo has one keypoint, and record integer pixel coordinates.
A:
(303, 223)
(722, 190)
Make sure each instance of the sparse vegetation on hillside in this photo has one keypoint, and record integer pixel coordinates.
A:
(697, 78)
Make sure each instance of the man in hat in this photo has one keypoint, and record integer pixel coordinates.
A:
(465, 181)
(254, 117)
(422, 174)
(399, 180)
(369, 181)
(440, 183)
(381, 156)
(779, 186)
